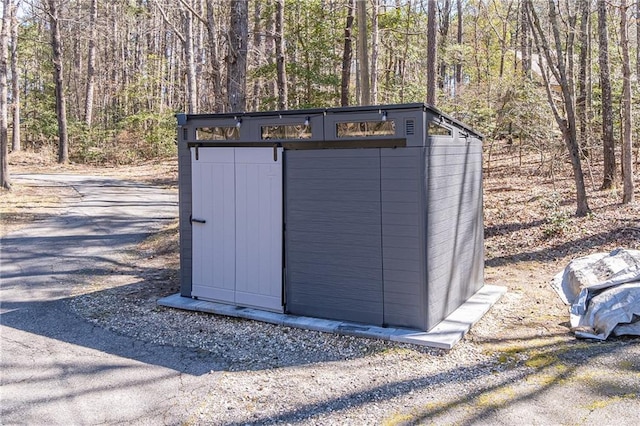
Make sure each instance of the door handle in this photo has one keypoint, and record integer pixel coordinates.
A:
(191, 220)
(275, 152)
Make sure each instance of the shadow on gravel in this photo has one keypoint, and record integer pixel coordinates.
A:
(542, 367)
(53, 320)
(40, 271)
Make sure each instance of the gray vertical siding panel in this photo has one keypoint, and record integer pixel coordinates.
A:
(184, 189)
(332, 234)
(454, 239)
(403, 231)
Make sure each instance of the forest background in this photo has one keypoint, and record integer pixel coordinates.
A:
(99, 81)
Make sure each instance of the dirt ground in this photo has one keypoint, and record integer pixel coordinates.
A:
(531, 233)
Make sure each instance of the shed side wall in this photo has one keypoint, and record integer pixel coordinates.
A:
(455, 235)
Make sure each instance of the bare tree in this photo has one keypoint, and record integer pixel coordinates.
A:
(503, 32)
(347, 54)
(443, 28)
(91, 63)
(192, 82)
(15, 81)
(581, 98)
(270, 46)
(525, 41)
(637, 37)
(5, 181)
(375, 47)
(363, 52)
(281, 69)
(237, 56)
(186, 38)
(431, 52)
(608, 143)
(258, 54)
(214, 57)
(566, 120)
(627, 169)
(58, 78)
(459, 41)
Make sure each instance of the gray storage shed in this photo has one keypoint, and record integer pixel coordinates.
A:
(369, 214)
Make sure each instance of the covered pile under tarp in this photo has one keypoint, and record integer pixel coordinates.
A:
(603, 291)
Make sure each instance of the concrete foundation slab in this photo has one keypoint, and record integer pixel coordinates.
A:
(444, 335)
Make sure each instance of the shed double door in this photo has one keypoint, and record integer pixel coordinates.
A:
(237, 226)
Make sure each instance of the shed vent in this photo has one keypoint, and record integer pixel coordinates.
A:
(409, 127)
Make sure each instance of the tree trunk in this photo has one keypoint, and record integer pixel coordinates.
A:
(237, 56)
(525, 41)
(16, 144)
(637, 38)
(445, 19)
(91, 63)
(431, 52)
(347, 54)
(608, 143)
(214, 58)
(258, 54)
(281, 69)
(627, 168)
(270, 46)
(503, 37)
(187, 40)
(581, 98)
(58, 78)
(5, 181)
(567, 122)
(363, 53)
(402, 61)
(192, 81)
(459, 42)
(375, 41)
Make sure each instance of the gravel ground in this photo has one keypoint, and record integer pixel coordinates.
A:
(280, 375)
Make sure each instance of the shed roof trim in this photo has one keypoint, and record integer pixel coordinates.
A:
(336, 110)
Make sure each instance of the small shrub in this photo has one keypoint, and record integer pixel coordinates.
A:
(557, 221)
(139, 137)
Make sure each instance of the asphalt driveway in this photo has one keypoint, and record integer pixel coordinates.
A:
(57, 368)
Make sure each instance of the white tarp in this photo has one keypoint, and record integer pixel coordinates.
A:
(603, 292)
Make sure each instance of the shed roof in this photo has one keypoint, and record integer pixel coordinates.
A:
(183, 118)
